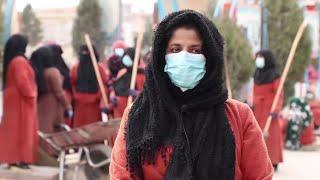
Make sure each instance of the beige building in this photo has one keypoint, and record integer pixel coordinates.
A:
(57, 24)
(56, 27)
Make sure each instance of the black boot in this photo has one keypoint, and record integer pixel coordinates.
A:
(22, 165)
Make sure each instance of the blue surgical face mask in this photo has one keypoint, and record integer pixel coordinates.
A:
(260, 62)
(185, 69)
(119, 51)
(127, 61)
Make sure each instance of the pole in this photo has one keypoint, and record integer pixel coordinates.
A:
(96, 69)
(285, 74)
(135, 65)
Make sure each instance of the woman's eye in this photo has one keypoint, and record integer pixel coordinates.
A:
(175, 50)
(196, 51)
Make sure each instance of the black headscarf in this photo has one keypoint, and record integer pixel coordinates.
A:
(115, 64)
(61, 65)
(165, 116)
(269, 72)
(15, 46)
(87, 80)
(41, 59)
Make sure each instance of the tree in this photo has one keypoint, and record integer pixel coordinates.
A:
(31, 26)
(88, 20)
(285, 17)
(238, 53)
(237, 50)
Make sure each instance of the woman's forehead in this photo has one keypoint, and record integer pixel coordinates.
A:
(185, 35)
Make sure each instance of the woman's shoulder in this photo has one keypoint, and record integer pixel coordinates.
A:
(237, 105)
(20, 64)
(20, 61)
(240, 114)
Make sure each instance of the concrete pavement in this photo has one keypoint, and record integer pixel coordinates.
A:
(300, 165)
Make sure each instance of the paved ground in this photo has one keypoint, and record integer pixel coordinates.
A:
(300, 165)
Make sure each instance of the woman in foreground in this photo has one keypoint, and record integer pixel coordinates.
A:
(182, 126)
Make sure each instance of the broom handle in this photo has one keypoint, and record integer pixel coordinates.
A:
(96, 69)
(135, 65)
(285, 73)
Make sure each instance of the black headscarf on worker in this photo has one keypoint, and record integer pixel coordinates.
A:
(61, 65)
(87, 80)
(269, 72)
(115, 64)
(194, 123)
(42, 59)
(122, 84)
(15, 46)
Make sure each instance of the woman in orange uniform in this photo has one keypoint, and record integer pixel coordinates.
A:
(266, 82)
(86, 93)
(18, 129)
(182, 126)
(52, 100)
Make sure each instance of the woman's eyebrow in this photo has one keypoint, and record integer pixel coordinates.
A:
(175, 44)
(196, 45)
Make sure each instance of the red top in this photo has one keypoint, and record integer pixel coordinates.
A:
(252, 160)
(87, 106)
